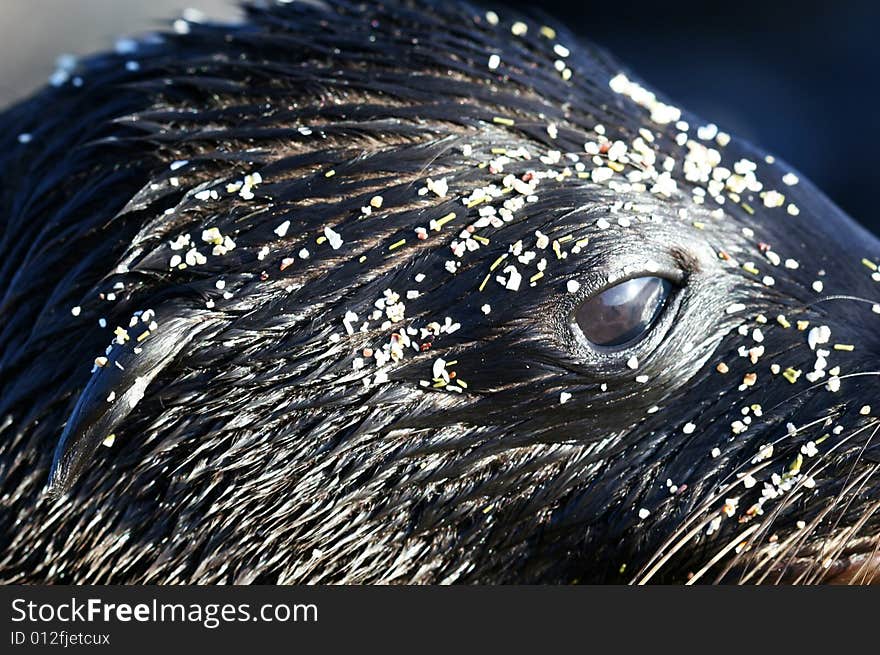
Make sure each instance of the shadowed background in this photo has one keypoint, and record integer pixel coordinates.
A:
(799, 79)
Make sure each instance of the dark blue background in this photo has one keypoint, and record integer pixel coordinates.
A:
(798, 79)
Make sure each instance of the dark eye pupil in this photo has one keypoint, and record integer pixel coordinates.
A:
(624, 312)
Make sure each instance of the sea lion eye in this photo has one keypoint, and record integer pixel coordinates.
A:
(624, 313)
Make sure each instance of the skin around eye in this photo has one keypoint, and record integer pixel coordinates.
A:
(624, 313)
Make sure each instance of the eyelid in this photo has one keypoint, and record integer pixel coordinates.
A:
(668, 271)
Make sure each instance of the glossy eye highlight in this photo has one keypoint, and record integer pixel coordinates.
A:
(624, 313)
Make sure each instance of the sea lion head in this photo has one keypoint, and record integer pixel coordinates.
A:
(420, 293)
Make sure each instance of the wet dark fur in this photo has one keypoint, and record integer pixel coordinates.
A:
(258, 455)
